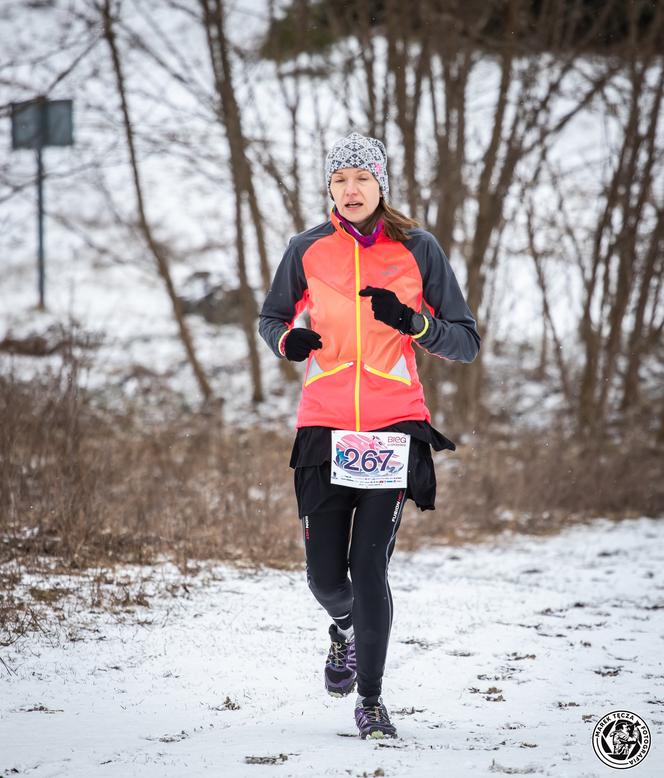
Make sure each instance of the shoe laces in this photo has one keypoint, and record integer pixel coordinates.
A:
(337, 655)
(376, 713)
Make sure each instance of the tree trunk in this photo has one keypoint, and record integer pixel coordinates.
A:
(240, 172)
(635, 345)
(157, 251)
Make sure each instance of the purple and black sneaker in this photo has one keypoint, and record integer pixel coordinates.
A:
(340, 668)
(372, 718)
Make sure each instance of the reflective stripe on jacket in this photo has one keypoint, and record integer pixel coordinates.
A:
(365, 376)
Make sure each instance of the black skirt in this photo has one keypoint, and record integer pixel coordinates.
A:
(312, 452)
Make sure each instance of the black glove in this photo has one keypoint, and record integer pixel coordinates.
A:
(299, 342)
(389, 309)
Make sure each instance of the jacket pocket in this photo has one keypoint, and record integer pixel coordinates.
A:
(398, 373)
(314, 370)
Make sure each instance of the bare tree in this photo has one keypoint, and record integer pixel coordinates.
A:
(619, 262)
(549, 323)
(647, 294)
(229, 114)
(158, 252)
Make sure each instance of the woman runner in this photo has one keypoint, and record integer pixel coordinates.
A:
(374, 283)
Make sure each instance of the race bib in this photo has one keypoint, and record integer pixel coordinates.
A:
(369, 460)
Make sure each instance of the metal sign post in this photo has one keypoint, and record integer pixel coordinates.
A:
(36, 124)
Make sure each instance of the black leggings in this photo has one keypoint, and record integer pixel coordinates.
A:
(333, 548)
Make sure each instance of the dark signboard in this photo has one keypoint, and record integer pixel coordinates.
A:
(41, 122)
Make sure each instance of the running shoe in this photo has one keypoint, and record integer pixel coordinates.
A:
(372, 718)
(340, 668)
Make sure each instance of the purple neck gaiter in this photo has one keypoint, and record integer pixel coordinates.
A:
(363, 240)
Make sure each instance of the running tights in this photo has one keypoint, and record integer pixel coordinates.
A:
(337, 543)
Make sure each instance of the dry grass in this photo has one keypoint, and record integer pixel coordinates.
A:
(91, 486)
(540, 484)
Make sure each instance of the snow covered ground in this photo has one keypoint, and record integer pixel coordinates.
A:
(503, 656)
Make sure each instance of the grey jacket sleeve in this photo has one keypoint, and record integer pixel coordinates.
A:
(285, 299)
(452, 331)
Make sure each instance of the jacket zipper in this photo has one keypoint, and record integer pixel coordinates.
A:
(358, 335)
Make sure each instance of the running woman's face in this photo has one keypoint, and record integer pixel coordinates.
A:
(355, 192)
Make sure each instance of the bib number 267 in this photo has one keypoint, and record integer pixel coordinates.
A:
(369, 460)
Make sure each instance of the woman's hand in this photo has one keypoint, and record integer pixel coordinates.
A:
(300, 342)
(389, 309)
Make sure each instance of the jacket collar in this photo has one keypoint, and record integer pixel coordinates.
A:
(348, 231)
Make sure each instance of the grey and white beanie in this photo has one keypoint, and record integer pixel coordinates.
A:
(361, 151)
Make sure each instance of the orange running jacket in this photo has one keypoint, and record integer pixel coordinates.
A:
(365, 376)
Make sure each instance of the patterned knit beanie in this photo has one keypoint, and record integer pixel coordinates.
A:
(359, 151)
